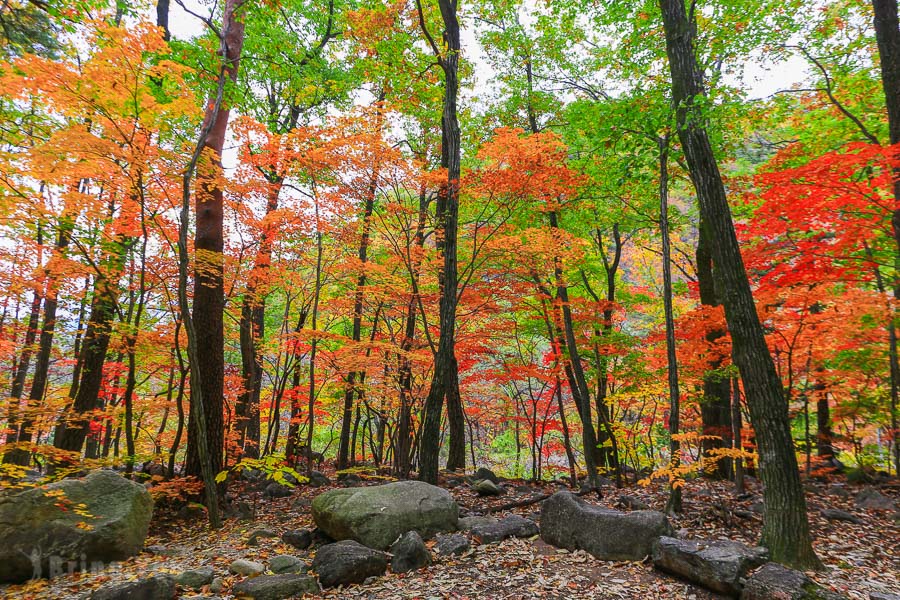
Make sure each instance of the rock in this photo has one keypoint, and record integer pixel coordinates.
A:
(286, 563)
(453, 543)
(569, 522)
(486, 487)
(160, 550)
(258, 534)
(318, 479)
(41, 540)
(467, 523)
(245, 567)
(511, 526)
(347, 562)
(834, 514)
(157, 587)
(632, 503)
(883, 596)
(484, 473)
(276, 587)
(195, 579)
(378, 515)
(300, 539)
(776, 582)
(350, 480)
(839, 490)
(217, 585)
(410, 553)
(192, 512)
(718, 565)
(870, 498)
(277, 490)
(244, 511)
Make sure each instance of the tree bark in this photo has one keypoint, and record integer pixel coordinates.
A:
(715, 406)
(447, 214)
(887, 34)
(785, 528)
(209, 291)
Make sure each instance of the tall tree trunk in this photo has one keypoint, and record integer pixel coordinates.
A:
(887, 33)
(673, 504)
(447, 215)
(251, 326)
(715, 406)
(209, 292)
(73, 426)
(162, 18)
(20, 374)
(786, 527)
(358, 300)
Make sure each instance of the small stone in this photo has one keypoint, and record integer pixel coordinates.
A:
(276, 587)
(258, 534)
(217, 585)
(870, 498)
(883, 596)
(486, 487)
(350, 480)
(245, 567)
(774, 582)
(835, 514)
(300, 539)
(450, 544)
(485, 473)
(318, 479)
(276, 490)
(632, 503)
(285, 563)
(195, 579)
(410, 553)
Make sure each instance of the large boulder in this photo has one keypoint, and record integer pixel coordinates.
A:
(777, 582)
(347, 562)
(569, 522)
(376, 516)
(719, 565)
(73, 523)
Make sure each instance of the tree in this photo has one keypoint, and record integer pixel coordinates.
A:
(786, 527)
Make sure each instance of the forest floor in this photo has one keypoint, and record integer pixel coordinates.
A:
(859, 557)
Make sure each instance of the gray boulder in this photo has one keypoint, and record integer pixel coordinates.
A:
(157, 587)
(569, 522)
(453, 543)
(195, 579)
(318, 479)
(377, 515)
(276, 587)
(285, 563)
(347, 562)
(883, 596)
(777, 582)
(40, 539)
(259, 534)
(409, 553)
(277, 490)
(511, 526)
(718, 565)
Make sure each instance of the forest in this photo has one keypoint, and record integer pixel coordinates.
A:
(514, 255)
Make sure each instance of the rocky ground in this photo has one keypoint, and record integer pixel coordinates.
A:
(857, 535)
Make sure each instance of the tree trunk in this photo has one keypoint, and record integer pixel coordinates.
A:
(447, 215)
(209, 291)
(785, 528)
(715, 406)
(887, 33)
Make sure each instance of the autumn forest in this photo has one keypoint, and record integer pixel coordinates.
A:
(645, 248)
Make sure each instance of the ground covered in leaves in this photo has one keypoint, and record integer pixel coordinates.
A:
(860, 557)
